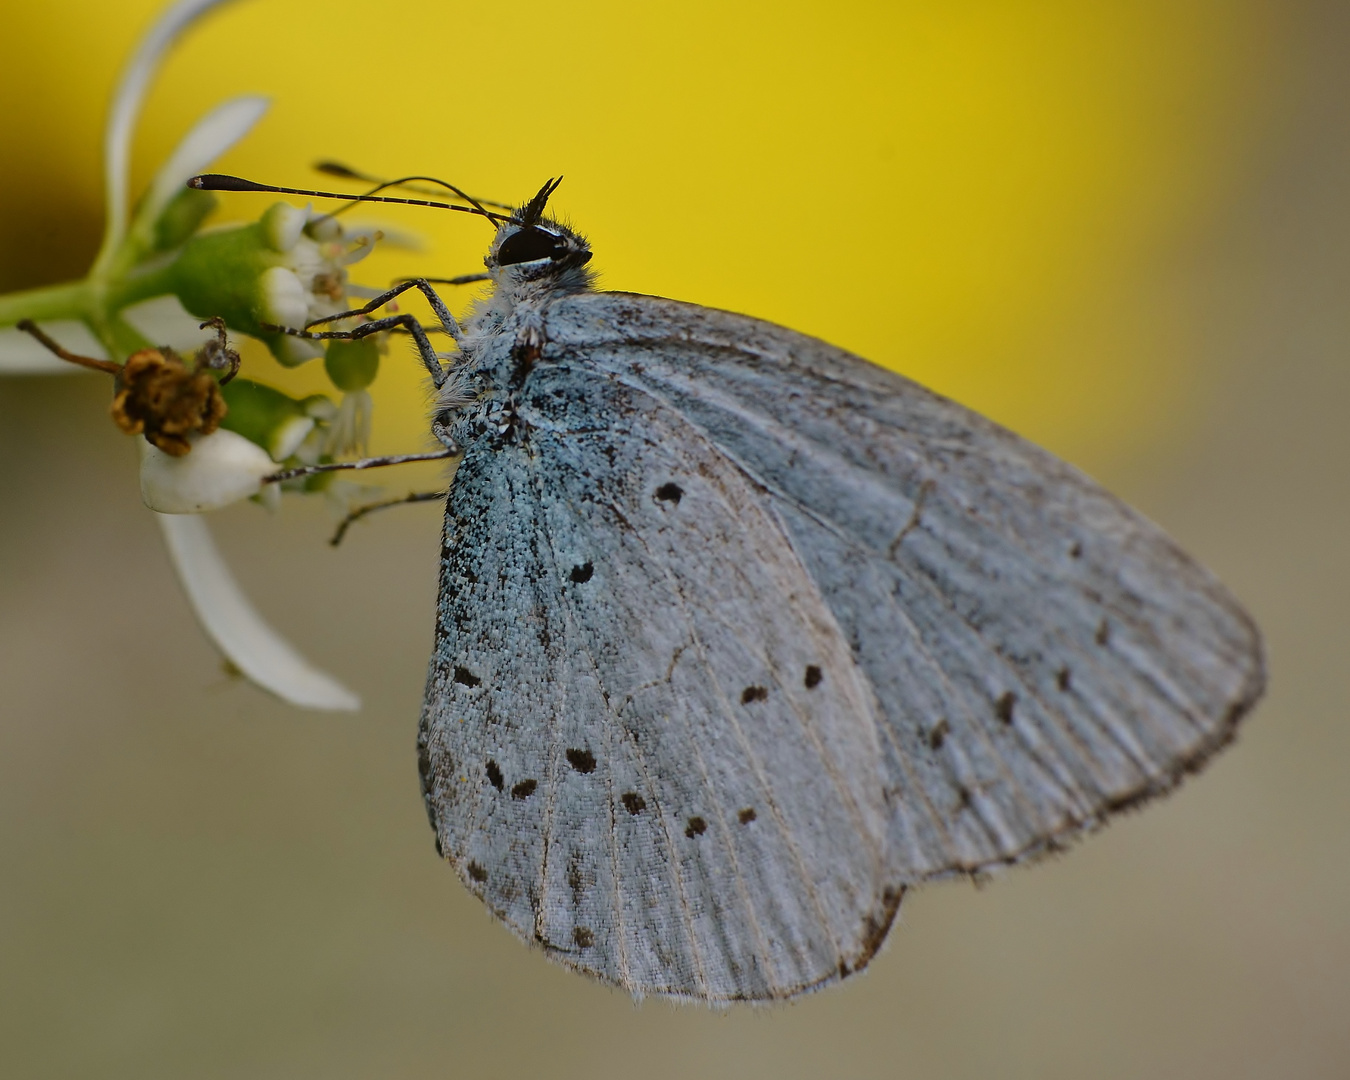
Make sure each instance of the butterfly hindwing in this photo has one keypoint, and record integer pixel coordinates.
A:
(1041, 655)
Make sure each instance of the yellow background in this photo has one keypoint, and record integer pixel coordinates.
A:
(979, 194)
(1119, 227)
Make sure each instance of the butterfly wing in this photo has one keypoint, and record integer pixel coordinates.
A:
(646, 744)
(1040, 655)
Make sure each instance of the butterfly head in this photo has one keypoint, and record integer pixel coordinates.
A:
(531, 248)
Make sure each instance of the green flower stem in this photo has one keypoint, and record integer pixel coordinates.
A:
(94, 306)
(139, 285)
(121, 339)
(71, 300)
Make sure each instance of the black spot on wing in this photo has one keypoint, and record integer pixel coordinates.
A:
(494, 774)
(524, 789)
(1003, 707)
(753, 693)
(424, 764)
(669, 492)
(695, 827)
(465, 677)
(583, 937)
(747, 815)
(477, 872)
(633, 802)
(581, 760)
(812, 677)
(582, 573)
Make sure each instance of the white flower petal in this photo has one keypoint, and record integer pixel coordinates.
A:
(236, 627)
(165, 321)
(294, 351)
(287, 438)
(285, 301)
(389, 235)
(221, 468)
(282, 224)
(126, 107)
(364, 292)
(215, 133)
(21, 354)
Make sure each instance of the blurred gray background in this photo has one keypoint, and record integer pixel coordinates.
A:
(197, 881)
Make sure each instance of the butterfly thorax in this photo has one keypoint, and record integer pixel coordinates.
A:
(533, 261)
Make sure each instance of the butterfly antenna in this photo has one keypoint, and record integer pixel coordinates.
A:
(337, 168)
(223, 182)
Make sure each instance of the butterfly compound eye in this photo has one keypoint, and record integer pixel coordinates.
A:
(528, 245)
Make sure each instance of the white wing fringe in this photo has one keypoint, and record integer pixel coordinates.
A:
(236, 627)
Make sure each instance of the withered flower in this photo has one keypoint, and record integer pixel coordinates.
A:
(159, 396)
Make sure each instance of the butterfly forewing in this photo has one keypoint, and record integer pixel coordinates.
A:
(647, 744)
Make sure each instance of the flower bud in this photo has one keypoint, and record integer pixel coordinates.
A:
(182, 217)
(282, 299)
(222, 468)
(352, 365)
(277, 423)
(281, 226)
(270, 272)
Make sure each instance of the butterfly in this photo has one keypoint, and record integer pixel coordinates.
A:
(739, 637)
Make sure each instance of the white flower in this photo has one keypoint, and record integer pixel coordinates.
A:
(222, 466)
(349, 431)
(221, 469)
(282, 225)
(252, 646)
(285, 301)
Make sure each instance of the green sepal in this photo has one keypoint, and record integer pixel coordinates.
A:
(217, 274)
(266, 416)
(182, 217)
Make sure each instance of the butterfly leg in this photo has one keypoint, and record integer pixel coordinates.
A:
(301, 471)
(422, 285)
(404, 321)
(384, 504)
(449, 448)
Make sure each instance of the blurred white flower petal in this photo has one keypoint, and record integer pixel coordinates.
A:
(238, 630)
(165, 321)
(287, 438)
(214, 133)
(126, 106)
(20, 354)
(390, 236)
(349, 431)
(282, 225)
(221, 469)
(285, 301)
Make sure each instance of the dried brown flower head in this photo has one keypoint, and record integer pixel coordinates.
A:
(161, 397)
